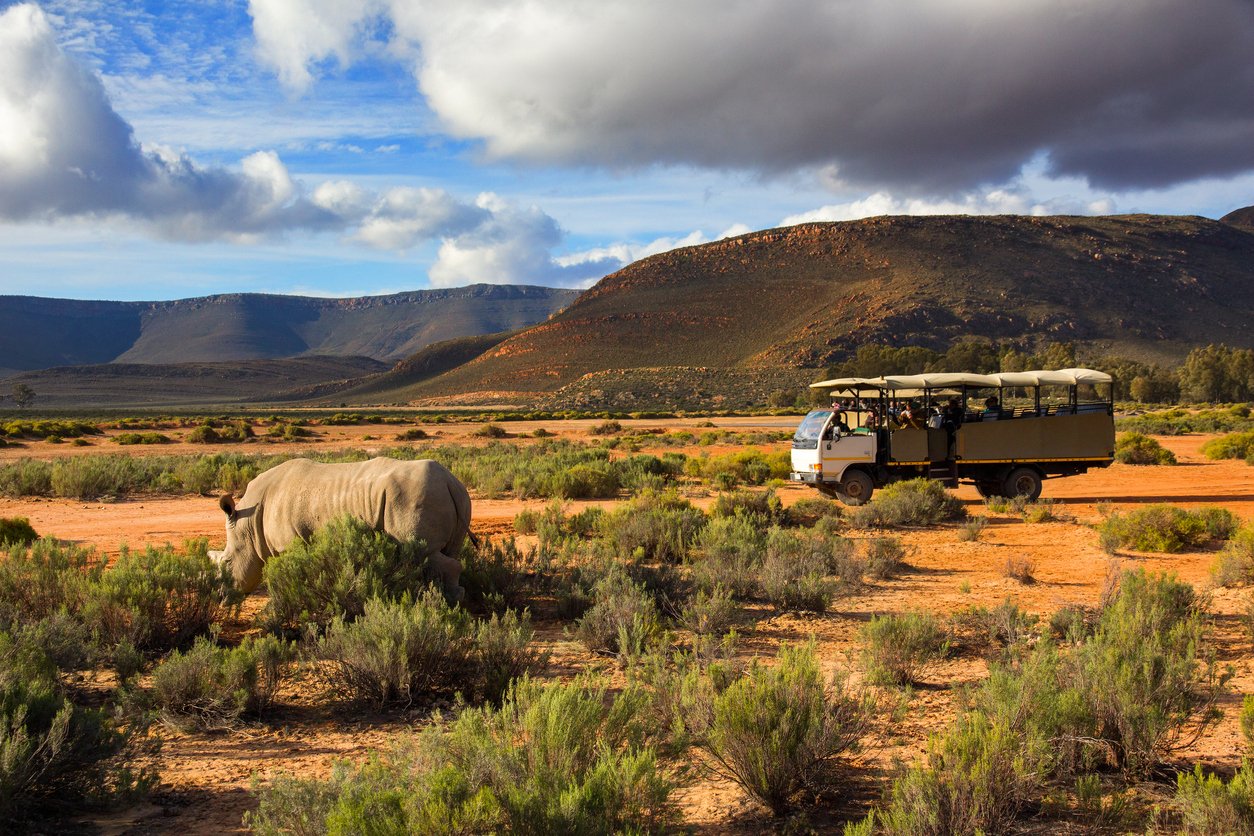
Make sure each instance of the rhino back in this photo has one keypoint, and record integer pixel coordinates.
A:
(417, 499)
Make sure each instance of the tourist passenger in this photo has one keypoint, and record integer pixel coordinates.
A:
(992, 409)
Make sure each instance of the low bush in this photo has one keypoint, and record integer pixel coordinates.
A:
(808, 511)
(970, 531)
(494, 576)
(1231, 446)
(48, 577)
(221, 432)
(211, 687)
(54, 751)
(16, 531)
(1138, 448)
(558, 758)
(1166, 528)
(1039, 511)
(44, 429)
(899, 649)
(1146, 673)
(400, 651)
(749, 467)
(798, 567)
(127, 439)
(413, 434)
(623, 618)
(491, 431)
(763, 507)
(709, 614)
(1020, 568)
(91, 477)
(729, 555)
(777, 730)
(344, 564)
(158, 598)
(1208, 804)
(606, 428)
(1235, 562)
(1003, 626)
(653, 527)
(913, 502)
(885, 557)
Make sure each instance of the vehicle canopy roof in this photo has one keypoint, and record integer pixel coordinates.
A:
(912, 384)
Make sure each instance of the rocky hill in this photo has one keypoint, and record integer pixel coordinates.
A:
(38, 333)
(1144, 286)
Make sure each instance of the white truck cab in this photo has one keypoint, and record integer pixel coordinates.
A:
(822, 451)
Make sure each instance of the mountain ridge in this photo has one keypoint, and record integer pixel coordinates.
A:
(40, 332)
(1146, 286)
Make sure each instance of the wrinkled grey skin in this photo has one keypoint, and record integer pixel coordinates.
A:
(408, 500)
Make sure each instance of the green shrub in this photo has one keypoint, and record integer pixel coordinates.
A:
(809, 510)
(623, 619)
(400, 651)
(45, 578)
(970, 531)
(1208, 805)
(606, 428)
(730, 551)
(344, 564)
(1002, 626)
(885, 557)
(1235, 563)
(776, 731)
(913, 502)
(413, 434)
(127, 439)
(1232, 446)
(1138, 448)
(211, 687)
(899, 649)
(1146, 674)
(657, 527)
(54, 752)
(709, 614)
(558, 758)
(795, 571)
(1166, 528)
(1039, 511)
(502, 654)
(594, 480)
(158, 598)
(494, 576)
(491, 431)
(763, 507)
(91, 477)
(16, 531)
(976, 780)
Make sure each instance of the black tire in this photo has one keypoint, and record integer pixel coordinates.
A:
(1023, 481)
(856, 488)
(988, 490)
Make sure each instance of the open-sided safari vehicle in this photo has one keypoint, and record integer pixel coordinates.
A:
(1004, 432)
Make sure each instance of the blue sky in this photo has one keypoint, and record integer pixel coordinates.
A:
(348, 147)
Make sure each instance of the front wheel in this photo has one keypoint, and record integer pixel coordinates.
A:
(856, 488)
(1023, 481)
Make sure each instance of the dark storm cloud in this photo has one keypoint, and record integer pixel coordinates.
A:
(922, 95)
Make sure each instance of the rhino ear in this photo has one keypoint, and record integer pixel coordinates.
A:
(227, 504)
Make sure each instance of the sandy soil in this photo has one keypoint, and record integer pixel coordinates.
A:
(205, 778)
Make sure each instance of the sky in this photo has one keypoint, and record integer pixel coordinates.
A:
(161, 150)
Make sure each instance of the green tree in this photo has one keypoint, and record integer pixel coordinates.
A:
(23, 395)
(1217, 373)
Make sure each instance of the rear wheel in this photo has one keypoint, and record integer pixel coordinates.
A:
(856, 488)
(1023, 481)
(987, 489)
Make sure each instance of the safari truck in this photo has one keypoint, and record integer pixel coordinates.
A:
(1005, 433)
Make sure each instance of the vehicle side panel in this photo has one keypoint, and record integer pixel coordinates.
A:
(1085, 436)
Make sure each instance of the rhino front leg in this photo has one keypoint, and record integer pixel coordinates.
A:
(448, 571)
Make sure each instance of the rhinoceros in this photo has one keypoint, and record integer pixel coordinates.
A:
(408, 500)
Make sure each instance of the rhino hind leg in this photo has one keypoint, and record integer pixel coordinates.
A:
(447, 570)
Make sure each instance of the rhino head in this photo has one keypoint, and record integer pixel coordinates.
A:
(243, 556)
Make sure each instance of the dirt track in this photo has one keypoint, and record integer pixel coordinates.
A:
(205, 777)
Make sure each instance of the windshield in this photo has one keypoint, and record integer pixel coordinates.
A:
(807, 435)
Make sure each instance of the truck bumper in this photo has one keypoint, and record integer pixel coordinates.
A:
(808, 478)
